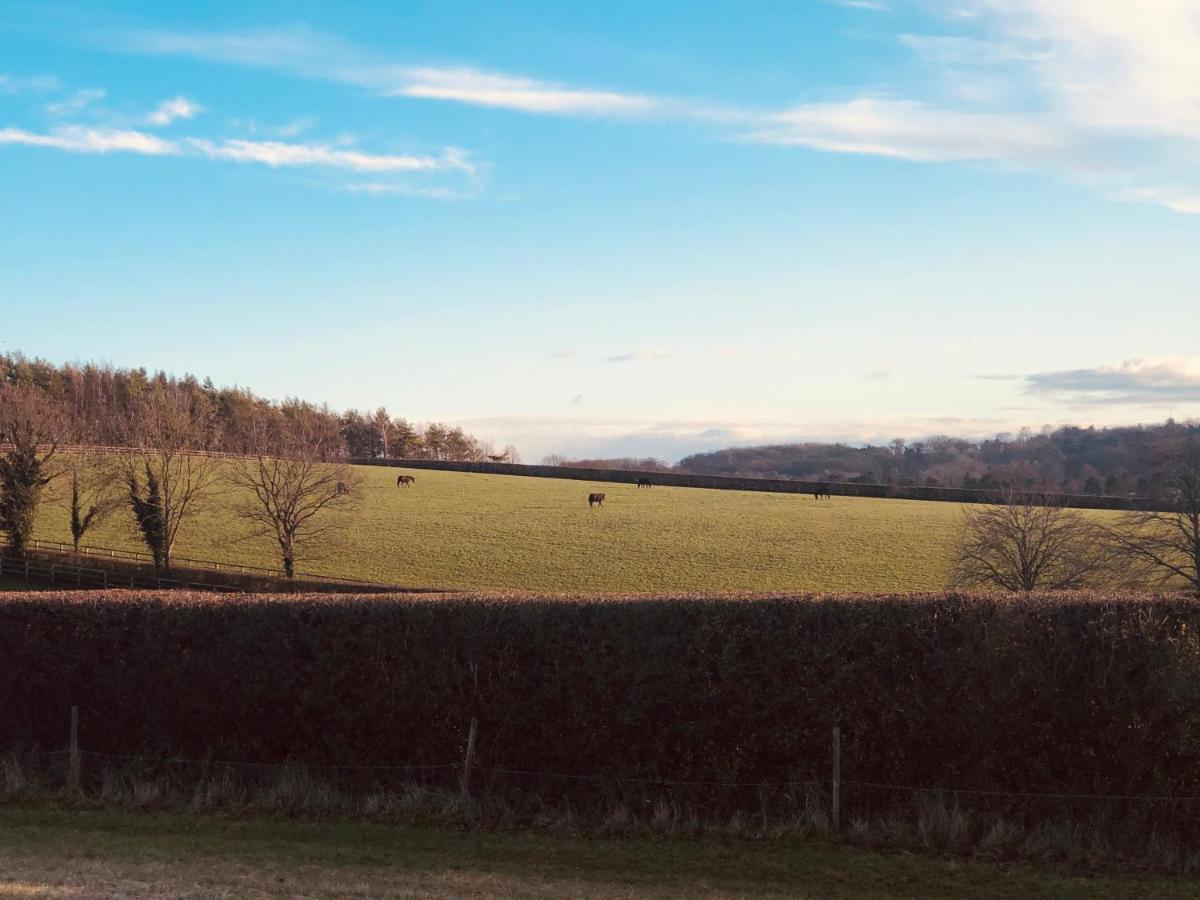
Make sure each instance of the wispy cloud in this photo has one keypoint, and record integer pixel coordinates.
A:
(174, 109)
(78, 139)
(1102, 94)
(75, 102)
(278, 153)
(639, 356)
(40, 84)
(1152, 380)
(275, 154)
(305, 53)
(510, 92)
(391, 189)
(905, 129)
(872, 5)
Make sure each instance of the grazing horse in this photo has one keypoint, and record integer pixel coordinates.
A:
(405, 480)
(342, 489)
(595, 500)
(822, 491)
(645, 482)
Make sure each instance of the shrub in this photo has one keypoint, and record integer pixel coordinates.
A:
(1080, 694)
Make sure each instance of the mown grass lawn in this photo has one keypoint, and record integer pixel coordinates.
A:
(59, 852)
(461, 530)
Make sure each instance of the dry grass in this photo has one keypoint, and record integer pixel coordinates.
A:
(474, 531)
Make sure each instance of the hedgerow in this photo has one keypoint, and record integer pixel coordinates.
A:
(1069, 694)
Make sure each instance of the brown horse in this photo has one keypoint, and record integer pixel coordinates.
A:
(342, 489)
(595, 500)
(404, 480)
(645, 482)
(822, 491)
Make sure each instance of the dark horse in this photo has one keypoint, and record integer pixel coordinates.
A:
(404, 480)
(822, 491)
(595, 500)
(645, 482)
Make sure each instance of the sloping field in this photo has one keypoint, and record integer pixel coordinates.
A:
(465, 530)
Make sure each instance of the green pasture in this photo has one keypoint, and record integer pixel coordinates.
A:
(466, 530)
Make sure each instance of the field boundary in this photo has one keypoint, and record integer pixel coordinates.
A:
(691, 480)
(73, 568)
(741, 483)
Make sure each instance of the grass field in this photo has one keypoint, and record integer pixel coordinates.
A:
(54, 852)
(462, 530)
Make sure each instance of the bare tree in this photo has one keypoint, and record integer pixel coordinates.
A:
(1027, 542)
(29, 430)
(167, 477)
(1163, 544)
(91, 493)
(291, 488)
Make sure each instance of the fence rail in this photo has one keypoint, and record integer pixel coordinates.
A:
(833, 782)
(96, 576)
(81, 576)
(740, 483)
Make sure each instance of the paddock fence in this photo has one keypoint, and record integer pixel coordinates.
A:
(817, 790)
(682, 479)
(739, 483)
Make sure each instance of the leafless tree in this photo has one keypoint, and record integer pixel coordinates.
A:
(1027, 542)
(1162, 544)
(167, 477)
(90, 491)
(30, 426)
(291, 488)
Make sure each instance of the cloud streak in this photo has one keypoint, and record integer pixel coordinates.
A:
(1096, 92)
(1152, 380)
(174, 109)
(275, 154)
(78, 139)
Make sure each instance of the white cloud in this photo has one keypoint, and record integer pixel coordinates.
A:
(1111, 64)
(75, 103)
(78, 139)
(278, 153)
(509, 92)
(1102, 93)
(906, 129)
(176, 108)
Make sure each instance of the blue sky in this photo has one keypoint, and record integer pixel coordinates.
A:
(619, 228)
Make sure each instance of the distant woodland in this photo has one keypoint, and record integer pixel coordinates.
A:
(99, 404)
(1099, 461)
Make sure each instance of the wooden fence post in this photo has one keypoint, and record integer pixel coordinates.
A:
(465, 783)
(73, 753)
(836, 787)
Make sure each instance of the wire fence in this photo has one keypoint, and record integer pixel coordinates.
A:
(456, 775)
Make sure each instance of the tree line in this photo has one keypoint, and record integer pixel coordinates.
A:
(94, 404)
(1119, 461)
(289, 464)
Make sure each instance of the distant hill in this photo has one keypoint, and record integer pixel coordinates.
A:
(1109, 461)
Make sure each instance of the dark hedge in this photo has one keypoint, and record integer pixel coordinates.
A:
(1077, 694)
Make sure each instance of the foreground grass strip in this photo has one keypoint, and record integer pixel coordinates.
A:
(53, 851)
